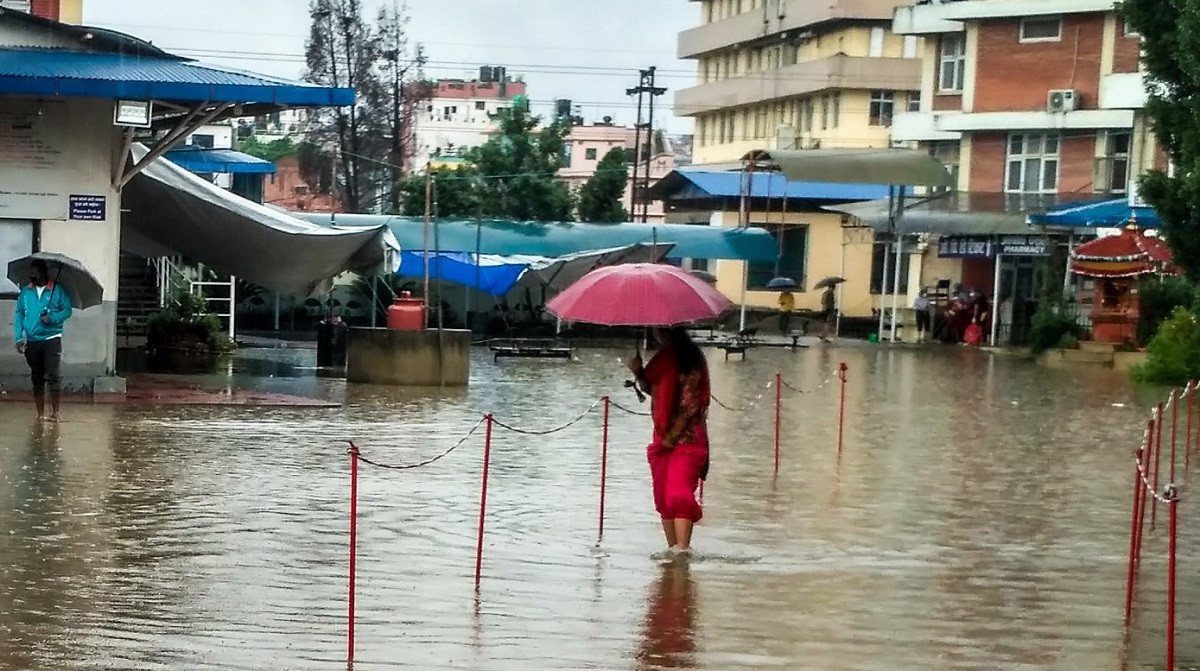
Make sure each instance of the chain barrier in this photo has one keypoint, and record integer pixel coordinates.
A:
(825, 383)
(1170, 492)
(546, 432)
(629, 411)
(405, 467)
(753, 402)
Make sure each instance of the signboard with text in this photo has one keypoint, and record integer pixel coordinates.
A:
(33, 162)
(88, 208)
(987, 247)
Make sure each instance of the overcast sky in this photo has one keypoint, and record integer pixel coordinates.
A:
(584, 50)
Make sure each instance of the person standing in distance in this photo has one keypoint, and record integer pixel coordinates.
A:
(37, 329)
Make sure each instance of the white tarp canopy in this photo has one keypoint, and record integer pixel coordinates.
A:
(171, 211)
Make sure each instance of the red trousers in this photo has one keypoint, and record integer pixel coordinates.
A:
(676, 474)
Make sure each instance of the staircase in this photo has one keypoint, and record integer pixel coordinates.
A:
(137, 299)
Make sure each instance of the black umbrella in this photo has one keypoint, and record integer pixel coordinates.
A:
(831, 281)
(782, 283)
(68, 275)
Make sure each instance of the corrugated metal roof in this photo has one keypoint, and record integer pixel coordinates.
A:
(54, 72)
(728, 184)
(200, 159)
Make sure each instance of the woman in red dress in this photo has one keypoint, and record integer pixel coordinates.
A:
(677, 380)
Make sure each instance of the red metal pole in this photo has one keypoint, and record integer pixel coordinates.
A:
(842, 407)
(1157, 458)
(603, 466)
(353, 553)
(778, 404)
(1133, 531)
(1187, 438)
(1141, 525)
(487, 458)
(1174, 426)
(1173, 495)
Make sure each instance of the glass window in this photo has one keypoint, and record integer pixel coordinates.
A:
(824, 112)
(1032, 163)
(952, 63)
(837, 109)
(910, 46)
(883, 108)
(792, 242)
(879, 250)
(876, 47)
(590, 153)
(1041, 29)
(16, 240)
(1116, 163)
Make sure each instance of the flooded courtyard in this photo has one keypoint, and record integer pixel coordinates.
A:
(977, 519)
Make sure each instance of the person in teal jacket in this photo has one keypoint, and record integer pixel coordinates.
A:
(42, 309)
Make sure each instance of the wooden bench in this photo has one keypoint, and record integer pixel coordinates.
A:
(744, 340)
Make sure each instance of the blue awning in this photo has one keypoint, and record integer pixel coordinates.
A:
(226, 161)
(492, 277)
(554, 239)
(700, 184)
(1111, 213)
(140, 76)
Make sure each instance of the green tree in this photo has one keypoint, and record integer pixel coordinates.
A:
(602, 198)
(1171, 54)
(268, 151)
(518, 169)
(456, 193)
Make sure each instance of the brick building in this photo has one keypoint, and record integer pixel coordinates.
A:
(1030, 103)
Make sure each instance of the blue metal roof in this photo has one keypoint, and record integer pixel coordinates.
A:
(1111, 213)
(227, 161)
(55, 72)
(728, 184)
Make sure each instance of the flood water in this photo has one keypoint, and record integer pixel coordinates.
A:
(977, 519)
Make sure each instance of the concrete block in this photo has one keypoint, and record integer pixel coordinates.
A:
(408, 358)
(1086, 357)
(109, 385)
(1126, 361)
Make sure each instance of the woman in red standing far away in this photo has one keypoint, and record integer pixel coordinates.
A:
(677, 380)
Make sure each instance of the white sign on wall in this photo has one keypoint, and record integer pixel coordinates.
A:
(1135, 195)
(34, 165)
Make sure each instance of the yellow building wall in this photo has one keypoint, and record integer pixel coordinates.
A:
(70, 11)
(831, 250)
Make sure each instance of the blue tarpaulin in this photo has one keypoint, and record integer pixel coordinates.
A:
(1111, 213)
(227, 161)
(490, 276)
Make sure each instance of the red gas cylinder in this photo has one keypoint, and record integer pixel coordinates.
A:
(406, 313)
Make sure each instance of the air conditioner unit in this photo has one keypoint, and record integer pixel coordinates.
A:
(1062, 100)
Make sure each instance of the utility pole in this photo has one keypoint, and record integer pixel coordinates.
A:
(642, 184)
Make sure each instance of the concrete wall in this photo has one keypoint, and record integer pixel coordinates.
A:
(76, 145)
(408, 358)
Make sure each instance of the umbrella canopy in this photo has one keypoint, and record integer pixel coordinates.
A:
(68, 275)
(781, 283)
(831, 281)
(1126, 255)
(706, 276)
(639, 294)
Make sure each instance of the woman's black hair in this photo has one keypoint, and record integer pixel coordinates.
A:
(687, 353)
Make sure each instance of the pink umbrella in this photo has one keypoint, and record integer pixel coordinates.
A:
(639, 294)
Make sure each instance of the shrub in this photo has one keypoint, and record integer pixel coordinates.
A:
(1157, 299)
(187, 323)
(1054, 326)
(1174, 352)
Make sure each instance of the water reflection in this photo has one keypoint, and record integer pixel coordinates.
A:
(669, 629)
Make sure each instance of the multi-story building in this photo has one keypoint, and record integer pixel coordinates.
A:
(796, 74)
(67, 11)
(1029, 103)
(588, 144)
(458, 114)
(1040, 100)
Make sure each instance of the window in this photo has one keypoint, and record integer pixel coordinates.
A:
(809, 108)
(17, 239)
(205, 140)
(1129, 30)
(879, 250)
(912, 102)
(876, 48)
(1041, 29)
(590, 153)
(883, 108)
(1032, 163)
(837, 109)
(480, 105)
(760, 121)
(824, 112)
(910, 46)
(952, 63)
(792, 241)
(1113, 168)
